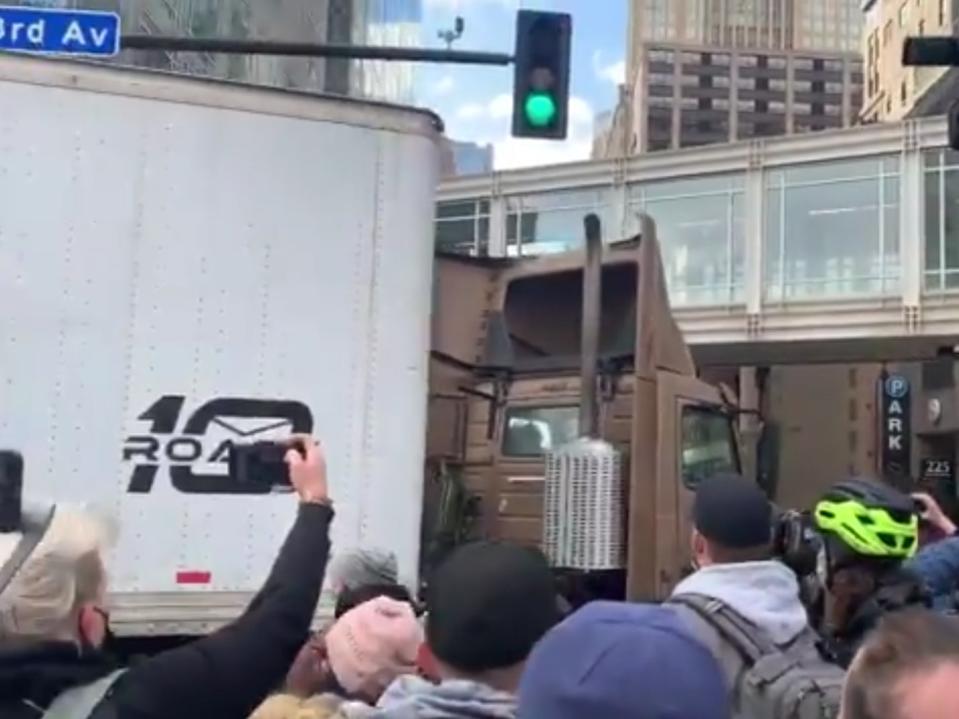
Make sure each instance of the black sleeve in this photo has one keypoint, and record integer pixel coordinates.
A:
(228, 673)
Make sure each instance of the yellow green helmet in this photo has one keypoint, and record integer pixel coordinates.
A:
(870, 519)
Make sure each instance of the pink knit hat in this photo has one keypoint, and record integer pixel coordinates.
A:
(373, 644)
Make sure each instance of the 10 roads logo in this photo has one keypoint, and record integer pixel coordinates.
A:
(205, 438)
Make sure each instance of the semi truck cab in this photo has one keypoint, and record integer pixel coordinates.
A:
(506, 380)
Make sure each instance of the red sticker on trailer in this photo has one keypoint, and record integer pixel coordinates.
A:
(193, 577)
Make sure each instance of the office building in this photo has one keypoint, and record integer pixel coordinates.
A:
(893, 92)
(690, 95)
(374, 22)
(705, 71)
(825, 25)
(386, 22)
(602, 134)
(465, 158)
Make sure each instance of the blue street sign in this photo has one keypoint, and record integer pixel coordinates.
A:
(59, 32)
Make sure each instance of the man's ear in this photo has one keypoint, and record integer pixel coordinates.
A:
(700, 549)
(427, 663)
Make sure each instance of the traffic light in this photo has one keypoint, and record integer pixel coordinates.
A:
(541, 81)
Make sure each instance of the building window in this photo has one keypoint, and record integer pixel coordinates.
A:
(942, 12)
(942, 220)
(903, 92)
(532, 431)
(463, 226)
(701, 224)
(832, 230)
(547, 223)
(922, 28)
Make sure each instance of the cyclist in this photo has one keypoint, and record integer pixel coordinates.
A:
(870, 532)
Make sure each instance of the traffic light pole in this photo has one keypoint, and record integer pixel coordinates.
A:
(304, 49)
(541, 63)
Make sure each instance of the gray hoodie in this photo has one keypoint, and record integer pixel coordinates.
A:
(410, 697)
(765, 593)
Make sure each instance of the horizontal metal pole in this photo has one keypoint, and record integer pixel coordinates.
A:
(307, 49)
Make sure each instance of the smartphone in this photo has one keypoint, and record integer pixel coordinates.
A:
(261, 463)
(11, 490)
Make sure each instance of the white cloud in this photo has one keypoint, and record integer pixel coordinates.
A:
(614, 72)
(443, 86)
(510, 153)
(470, 111)
(580, 112)
(500, 107)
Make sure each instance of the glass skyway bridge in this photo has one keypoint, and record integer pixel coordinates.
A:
(847, 236)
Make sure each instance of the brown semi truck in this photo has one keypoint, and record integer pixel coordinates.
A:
(505, 388)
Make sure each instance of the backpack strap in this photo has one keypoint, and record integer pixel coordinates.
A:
(766, 661)
(750, 641)
(81, 702)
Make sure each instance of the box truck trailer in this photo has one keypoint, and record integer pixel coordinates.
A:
(185, 263)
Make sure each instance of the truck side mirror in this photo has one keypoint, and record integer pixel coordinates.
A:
(767, 458)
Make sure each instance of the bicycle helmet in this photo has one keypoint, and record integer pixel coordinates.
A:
(870, 519)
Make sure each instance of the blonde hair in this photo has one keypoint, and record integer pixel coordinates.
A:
(288, 706)
(63, 572)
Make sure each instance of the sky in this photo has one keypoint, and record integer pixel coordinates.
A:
(476, 102)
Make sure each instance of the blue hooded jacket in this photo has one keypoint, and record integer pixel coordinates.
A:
(937, 566)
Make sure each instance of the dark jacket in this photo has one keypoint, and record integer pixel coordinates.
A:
(899, 589)
(226, 674)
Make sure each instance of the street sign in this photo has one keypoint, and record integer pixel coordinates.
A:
(59, 32)
(896, 426)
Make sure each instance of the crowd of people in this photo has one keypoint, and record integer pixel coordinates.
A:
(870, 633)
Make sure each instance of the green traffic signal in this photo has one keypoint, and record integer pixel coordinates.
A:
(541, 74)
(540, 109)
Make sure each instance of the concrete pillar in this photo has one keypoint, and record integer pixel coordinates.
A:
(911, 229)
(497, 225)
(749, 422)
(755, 198)
(622, 225)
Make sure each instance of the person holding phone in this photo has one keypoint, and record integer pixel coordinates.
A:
(938, 562)
(54, 622)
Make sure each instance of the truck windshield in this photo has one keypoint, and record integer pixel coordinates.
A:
(709, 445)
(532, 431)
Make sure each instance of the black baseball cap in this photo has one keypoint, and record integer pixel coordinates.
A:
(488, 605)
(733, 512)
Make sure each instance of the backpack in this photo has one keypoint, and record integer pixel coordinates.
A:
(86, 701)
(788, 682)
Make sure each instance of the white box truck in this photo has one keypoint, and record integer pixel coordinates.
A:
(184, 263)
